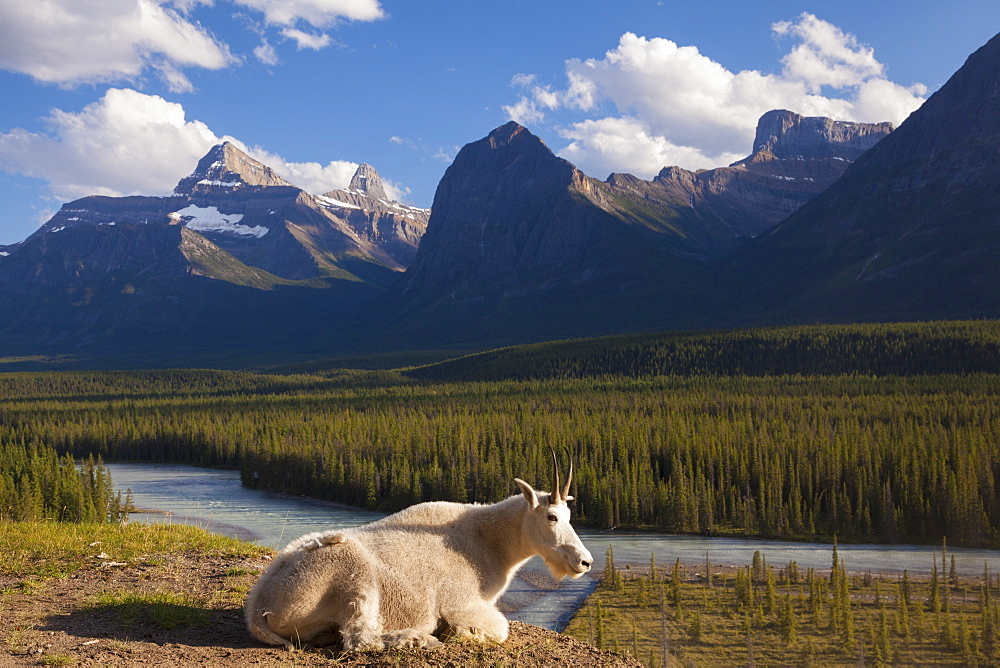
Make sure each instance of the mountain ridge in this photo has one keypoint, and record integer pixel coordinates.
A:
(823, 221)
(520, 235)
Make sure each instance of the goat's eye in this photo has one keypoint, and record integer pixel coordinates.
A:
(553, 518)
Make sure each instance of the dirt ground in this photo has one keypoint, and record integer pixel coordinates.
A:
(186, 610)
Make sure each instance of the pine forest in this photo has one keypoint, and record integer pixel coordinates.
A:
(867, 451)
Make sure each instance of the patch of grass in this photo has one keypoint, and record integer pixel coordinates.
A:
(30, 586)
(162, 608)
(54, 549)
(19, 632)
(237, 571)
(58, 660)
(115, 645)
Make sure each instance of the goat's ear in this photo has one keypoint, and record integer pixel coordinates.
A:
(528, 491)
(569, 498)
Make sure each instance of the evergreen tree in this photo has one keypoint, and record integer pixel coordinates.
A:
(788, 623)
(935, 595)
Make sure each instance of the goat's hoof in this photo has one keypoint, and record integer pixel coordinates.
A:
(410, 638)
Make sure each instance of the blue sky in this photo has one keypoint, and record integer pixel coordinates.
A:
(123, 96)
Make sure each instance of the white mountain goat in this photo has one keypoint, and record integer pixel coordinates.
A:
(433, 569)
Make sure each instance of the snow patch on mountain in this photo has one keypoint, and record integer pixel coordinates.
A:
(336, 203)
(210, 219)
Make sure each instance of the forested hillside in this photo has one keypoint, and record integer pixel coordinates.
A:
(878, 349)
(887, 458)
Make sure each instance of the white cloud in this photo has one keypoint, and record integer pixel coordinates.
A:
(310, 176)
(607, 143)
(879, 98)
(70, 42)
(395, 191)
(826, 56)
(525, 111)
(676, 105)
(132, 143)
(529, 107)
(266, 54)
(125, 143)
(73, 42)
(305, 40)
(317, 13)
(521, 79)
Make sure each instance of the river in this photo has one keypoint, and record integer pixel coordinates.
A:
(217, 501)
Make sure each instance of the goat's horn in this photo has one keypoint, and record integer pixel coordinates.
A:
(555, 477)
(569, 479)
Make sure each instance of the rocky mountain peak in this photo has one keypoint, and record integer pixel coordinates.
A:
(507, 133)
(367, 181)
(512, 152)
(226, 168)
(785, 134)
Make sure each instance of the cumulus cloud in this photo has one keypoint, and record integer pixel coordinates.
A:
(826, 55)
(310, 176)
(132, 143)
(676, 105)
(606, 144)
(125, 143)
(71, 42)
(530, 107)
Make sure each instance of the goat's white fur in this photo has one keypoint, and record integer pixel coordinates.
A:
(430, 570)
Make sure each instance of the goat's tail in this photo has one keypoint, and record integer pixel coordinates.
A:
(257, 623)
(256, 616)
(326, 539)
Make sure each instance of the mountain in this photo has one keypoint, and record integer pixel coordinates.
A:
(523, 244)
(249, 211)
(229, 253)
(911, 230)
(519, 237)
(396, 227)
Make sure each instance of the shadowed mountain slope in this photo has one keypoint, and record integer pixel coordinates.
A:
(912, 229)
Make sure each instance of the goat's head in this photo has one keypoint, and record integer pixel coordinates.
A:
(546, 527)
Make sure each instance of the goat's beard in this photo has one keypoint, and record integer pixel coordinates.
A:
(559, 569)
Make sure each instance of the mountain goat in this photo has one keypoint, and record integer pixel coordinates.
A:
(433, 569)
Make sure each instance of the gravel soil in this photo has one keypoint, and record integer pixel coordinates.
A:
(187, 610)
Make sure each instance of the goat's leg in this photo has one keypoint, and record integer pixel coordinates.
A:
(480, 622)
(362, 629)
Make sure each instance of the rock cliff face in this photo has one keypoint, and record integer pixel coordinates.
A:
(911, 230)
(367, 181)
(794, 159)
(397, 228)
(785, 134)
